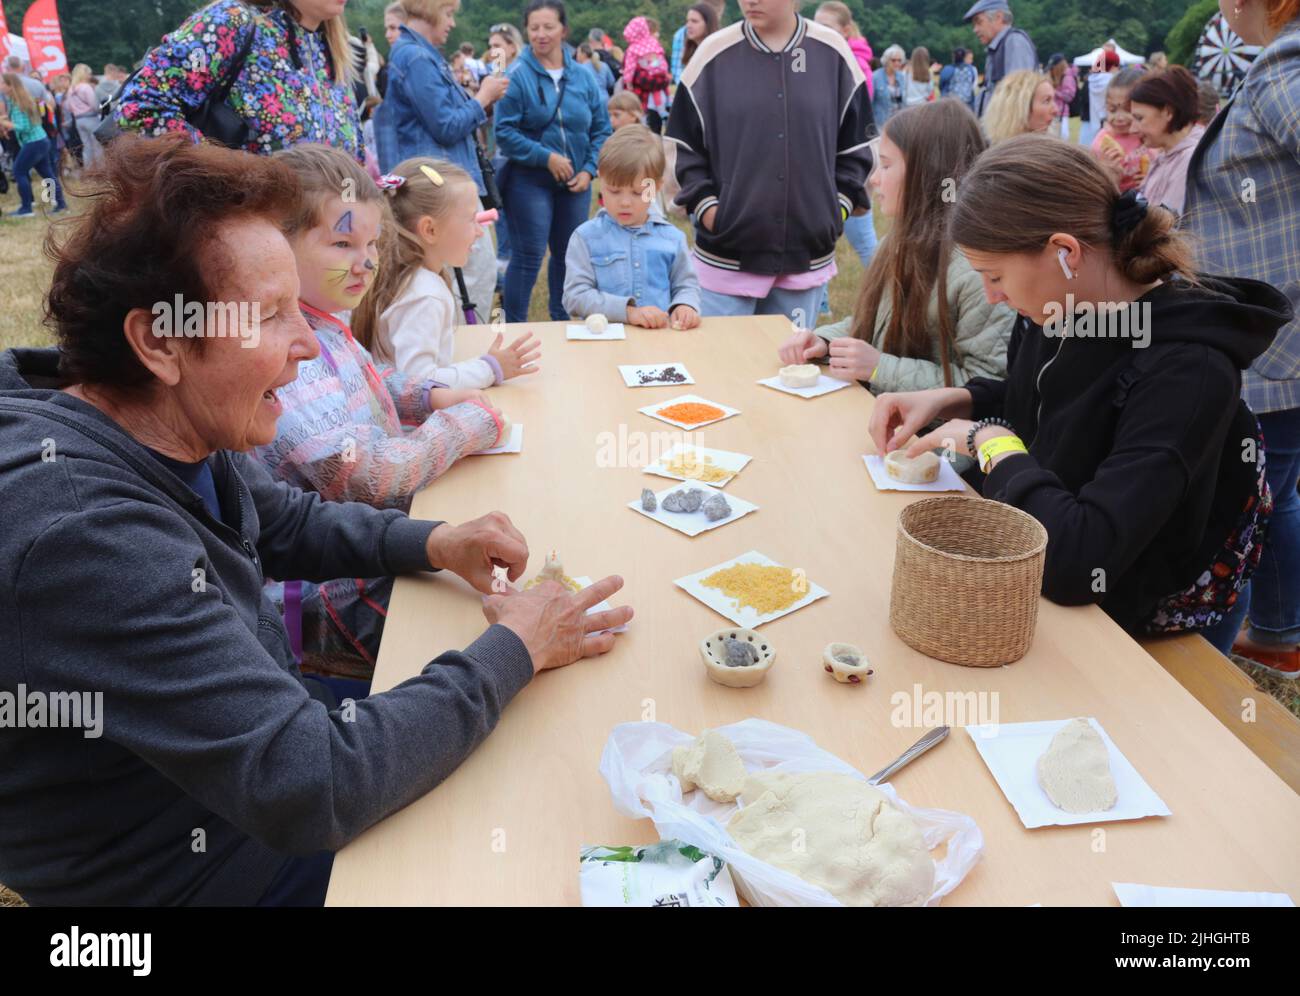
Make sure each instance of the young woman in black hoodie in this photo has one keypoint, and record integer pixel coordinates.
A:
(1119, 425)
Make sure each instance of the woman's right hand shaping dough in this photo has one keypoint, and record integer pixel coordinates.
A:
(553, 622)
(896, 418)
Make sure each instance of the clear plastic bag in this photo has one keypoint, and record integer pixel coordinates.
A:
(637, 766)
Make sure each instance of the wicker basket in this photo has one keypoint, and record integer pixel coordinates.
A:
(967, 577)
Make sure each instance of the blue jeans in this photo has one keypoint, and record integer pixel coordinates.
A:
(542, 213)
(36, 156)
(1273, 594)
(861, 233)
(800, 306)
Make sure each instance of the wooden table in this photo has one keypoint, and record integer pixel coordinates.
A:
(506, 827)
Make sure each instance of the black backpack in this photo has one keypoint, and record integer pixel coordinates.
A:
(216, 119)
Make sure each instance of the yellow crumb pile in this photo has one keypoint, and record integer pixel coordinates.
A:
(765, 589)
(690, 465)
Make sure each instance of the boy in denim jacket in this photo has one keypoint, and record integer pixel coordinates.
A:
(628, 263)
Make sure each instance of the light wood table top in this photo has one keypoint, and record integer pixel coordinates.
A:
(506, 827)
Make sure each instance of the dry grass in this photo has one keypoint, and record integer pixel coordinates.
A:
(24, 277)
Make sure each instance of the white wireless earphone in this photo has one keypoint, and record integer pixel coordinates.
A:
(1065, 267)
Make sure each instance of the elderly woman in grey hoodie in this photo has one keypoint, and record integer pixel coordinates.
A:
(137, 536)
(944, 331)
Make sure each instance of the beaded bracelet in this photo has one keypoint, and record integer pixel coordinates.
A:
(984, 424)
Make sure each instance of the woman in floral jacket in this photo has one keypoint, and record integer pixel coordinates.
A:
(294, 85)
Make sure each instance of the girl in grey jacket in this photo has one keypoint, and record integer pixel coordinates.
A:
(942, 330)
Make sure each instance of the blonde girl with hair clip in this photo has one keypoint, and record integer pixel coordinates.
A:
(409, 318)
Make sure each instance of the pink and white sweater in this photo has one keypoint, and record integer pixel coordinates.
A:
(354, 431)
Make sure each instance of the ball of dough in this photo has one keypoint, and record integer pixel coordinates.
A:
(800, 375)
(923, 469)
(597, 324)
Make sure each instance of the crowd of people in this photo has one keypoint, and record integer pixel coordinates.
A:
(349, 195)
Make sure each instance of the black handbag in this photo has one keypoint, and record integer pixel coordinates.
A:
(214, 118)
(492, 198)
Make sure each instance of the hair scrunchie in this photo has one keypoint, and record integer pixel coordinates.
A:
(390, 182)
(1129, 210)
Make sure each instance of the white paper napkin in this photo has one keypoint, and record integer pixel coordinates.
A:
(1132, 894)
(615, 331)
(1012, 750)
(948, 480)
(824, 385)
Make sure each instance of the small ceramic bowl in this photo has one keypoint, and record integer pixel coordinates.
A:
(838, 658)
(714, 651)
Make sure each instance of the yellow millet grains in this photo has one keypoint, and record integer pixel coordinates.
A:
(690, 466)
(765, 589)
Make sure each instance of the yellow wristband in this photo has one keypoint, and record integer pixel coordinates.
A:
(874, 371)
(998, 445)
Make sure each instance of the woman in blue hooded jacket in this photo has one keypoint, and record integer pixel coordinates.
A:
(550, 126)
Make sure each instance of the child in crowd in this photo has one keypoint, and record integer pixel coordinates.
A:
(1118, 145)
(624, 263)
(645, 67)
(409, 318)
(624, 110)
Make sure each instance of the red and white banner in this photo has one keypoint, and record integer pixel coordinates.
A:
(45, 39)
(4, 36)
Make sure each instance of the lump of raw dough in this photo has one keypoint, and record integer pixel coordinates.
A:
(739, 653)
(715, 507)
(837, 832)
(712, 765)
(597, 324)
(916, 470)
(553, 570)
(1074, 771)
(800, 375)
(648, 500)
(688, 500)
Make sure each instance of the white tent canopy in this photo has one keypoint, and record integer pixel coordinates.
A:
(1125, 58)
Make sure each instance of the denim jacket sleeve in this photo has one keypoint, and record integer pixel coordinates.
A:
(444, 115)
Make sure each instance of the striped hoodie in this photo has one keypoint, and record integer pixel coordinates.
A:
(777, 141)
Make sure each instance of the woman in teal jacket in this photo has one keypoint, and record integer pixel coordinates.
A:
(550, 126)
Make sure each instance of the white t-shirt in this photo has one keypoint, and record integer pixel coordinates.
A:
(417, 334)
(555, 74)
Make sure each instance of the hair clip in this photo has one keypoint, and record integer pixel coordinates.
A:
(390, 181)
(434, 176)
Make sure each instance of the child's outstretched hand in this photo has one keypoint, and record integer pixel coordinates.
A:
(648, 317)
(685, 317)
(445, 397)
(519, 357)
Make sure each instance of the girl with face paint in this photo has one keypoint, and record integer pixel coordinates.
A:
(354, 429)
